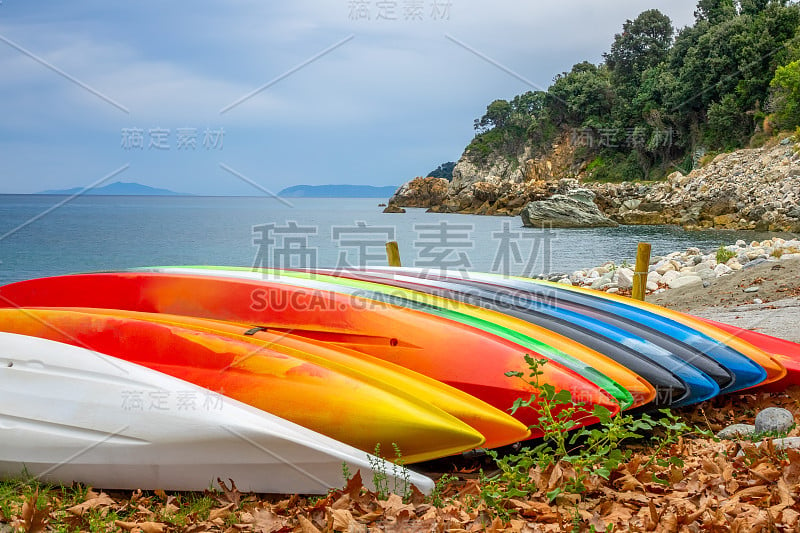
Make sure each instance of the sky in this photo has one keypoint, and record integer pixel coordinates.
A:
(246, 97)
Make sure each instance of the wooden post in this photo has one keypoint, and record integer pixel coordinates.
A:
(393, 254)
(641, 270)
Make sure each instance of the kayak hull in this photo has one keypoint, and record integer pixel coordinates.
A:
(63, 418)
(444, 350)
(785, 352)
(314, 394)
(677, 382)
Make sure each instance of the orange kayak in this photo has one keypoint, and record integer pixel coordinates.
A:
(457, 354)
(326, 397)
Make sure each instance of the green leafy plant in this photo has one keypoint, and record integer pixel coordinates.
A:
(580, 454)
(346, 472)
(380, 477)
(435, 498)
(671, 428)
(724, 255)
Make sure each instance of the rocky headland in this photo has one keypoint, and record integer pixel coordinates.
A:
(746, 189)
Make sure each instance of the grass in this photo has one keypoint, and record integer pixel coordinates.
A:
(61, 505)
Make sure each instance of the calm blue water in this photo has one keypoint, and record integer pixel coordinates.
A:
(40, 238)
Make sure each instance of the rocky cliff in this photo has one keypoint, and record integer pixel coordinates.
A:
(498, 185)
(746, 189)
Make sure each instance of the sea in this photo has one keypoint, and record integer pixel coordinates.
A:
(44, 235)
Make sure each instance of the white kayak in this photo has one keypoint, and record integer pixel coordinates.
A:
(71, 414)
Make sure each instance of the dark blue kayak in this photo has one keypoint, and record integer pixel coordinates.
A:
(677, 383)
(745, 372)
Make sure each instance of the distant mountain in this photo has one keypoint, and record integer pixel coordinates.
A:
(337, 191)
(119, 188)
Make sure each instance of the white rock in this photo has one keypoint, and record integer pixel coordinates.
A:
(740, 243)
(613, 290)
(722, 269)
(664, 268)
(625, 278)
(652, 286)
(685, 281)
(733, 264)
(774, 420)
(669, 277)
(790, 256)
(653, 277)
(565, 281)
(704, 265)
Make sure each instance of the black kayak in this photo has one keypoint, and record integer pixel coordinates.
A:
(676, 382)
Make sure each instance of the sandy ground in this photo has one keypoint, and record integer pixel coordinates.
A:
(725, 300)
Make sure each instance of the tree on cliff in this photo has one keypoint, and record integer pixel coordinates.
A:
(644, 43)
(445, 170)
(659, 98)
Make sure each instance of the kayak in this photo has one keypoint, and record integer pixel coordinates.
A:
(677, 382)
(696, 366)
(498, 428)
(70, 414)
(448, 351)
(628, 388)
(786, 352)
(749, 365)
(329, 399)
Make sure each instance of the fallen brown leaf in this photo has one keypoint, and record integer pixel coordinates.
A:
(99, 500)
(306, 526)
(232, 494)
(34, 519)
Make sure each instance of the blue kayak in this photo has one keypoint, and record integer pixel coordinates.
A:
(745, 372)
(677, 383)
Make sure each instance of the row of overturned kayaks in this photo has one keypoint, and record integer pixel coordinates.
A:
(170, 377)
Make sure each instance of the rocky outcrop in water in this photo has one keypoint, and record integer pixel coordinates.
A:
(573, 210)
(498, 185)
(419, 192)
(746, 189)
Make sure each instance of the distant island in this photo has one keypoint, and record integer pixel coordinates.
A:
(337, 191)
(119, 188)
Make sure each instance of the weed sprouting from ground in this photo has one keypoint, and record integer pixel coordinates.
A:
(570, 461)
(380, 478)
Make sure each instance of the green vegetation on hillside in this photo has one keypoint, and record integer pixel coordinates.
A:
(662, 99)
(445, 170)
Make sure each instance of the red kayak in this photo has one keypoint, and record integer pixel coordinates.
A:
(457, 354)
(786, 352)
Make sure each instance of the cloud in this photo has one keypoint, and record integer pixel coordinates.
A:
(398, 83)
